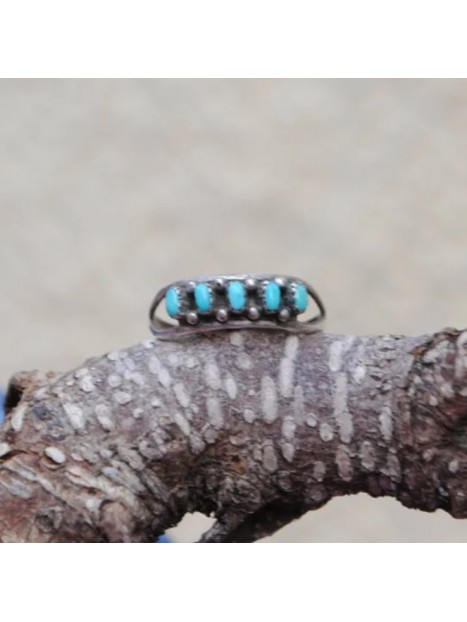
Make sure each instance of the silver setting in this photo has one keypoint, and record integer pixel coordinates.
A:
(219, 283)
(192, 318)
(254, 315)
(251, 284)
(222, 315)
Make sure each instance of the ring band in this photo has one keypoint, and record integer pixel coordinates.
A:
(235, 301)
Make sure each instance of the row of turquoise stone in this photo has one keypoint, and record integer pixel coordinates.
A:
(237, 297)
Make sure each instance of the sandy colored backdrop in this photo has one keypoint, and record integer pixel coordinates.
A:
(110, 189)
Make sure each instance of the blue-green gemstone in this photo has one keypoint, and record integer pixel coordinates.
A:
(172, 302)
(272, 296)
(237, 296)
(301, 297)
(203, 297)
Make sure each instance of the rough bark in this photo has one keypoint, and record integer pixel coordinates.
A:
(252, 427)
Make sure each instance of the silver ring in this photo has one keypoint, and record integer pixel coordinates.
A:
(235, 301)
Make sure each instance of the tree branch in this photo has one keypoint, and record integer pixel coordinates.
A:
(253, 427)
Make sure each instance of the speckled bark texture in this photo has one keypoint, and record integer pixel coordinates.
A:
(252, 427)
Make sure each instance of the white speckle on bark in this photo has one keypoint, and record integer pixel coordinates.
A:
(164, 377)
(154, 364)
(298, 405)
(210, 434)
(5, 449)
(156, 402)
(291, 346)
(41, 393)
(79, 373)
(122, 397)
(212, 375)
(103, 416)
(18, 417)
(428, 454)
(337, 351)
(136, 378)
(249, 415)
(58, 392)
(17, 488)
(129, 363)
(243, 361)
(392, 468)
(454, 464)
(460, 364)
(236, 338)
(114, 380)
(197, 444)
(113, 356)
(432, 400)
(55, 454)
(287, 364)
(181, 395)
(137, 412)
(148, 344)
(344, 463)
(446, 390)
(93, 504)
(319, 471)
(386, 423)
(231, 386)
(239, 440)
(286, 373)
(257, 453)
(288, 428)
(75, 415)
(182, 424)
(311, 420)
(341, 411)
(174, 359)
(215, 414)
(270, 463)
(119, 367)
(335, 355)
(367, 456)
(268, 399)
(326, 432)
(86, 384)
(26, 472)
(359, 373)
(288, 451)
(317, 493)
(190, 361)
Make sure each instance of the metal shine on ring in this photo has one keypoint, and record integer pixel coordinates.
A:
(235, 301)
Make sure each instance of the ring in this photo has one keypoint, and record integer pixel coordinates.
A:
(235, 301)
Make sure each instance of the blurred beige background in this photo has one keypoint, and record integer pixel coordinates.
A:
(110, 189)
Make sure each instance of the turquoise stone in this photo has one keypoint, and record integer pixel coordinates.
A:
(301, 297)
(203, 297)
(272, 296)
(237, 295)
(172, 302)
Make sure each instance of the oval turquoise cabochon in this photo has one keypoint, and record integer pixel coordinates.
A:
(237, 295)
